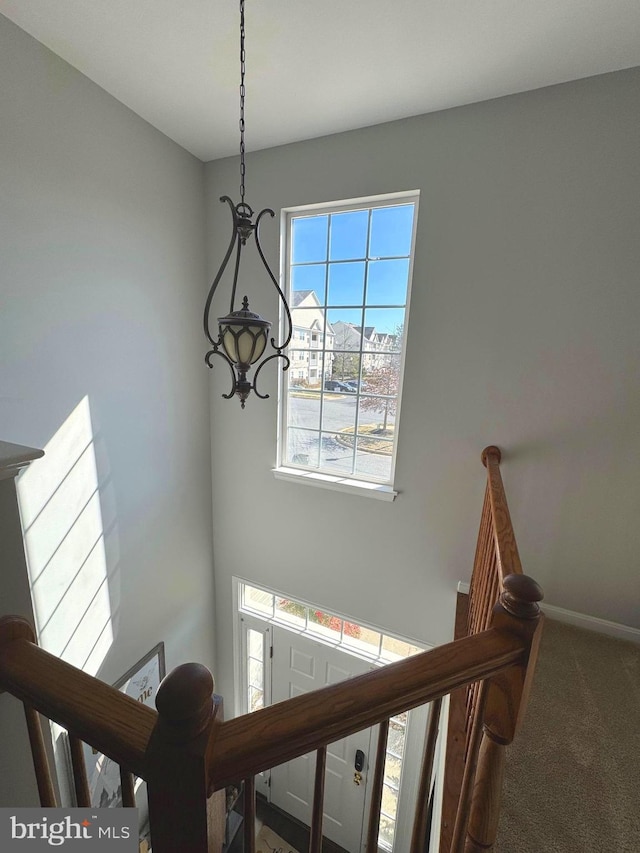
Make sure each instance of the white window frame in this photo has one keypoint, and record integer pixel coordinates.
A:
(353, 483)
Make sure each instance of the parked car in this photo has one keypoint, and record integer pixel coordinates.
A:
(355, 384)
(335, 385)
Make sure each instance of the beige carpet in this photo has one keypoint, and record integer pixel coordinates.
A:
(572, 781)
(268, 842)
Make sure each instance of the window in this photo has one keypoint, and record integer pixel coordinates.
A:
(348, 272)
(318, 624)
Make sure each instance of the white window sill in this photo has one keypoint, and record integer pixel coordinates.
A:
(337, 484)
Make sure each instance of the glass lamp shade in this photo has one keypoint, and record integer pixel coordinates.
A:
(244, 335)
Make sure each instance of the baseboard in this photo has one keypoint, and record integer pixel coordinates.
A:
(582, 620)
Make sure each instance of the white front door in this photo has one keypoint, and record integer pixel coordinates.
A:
(298, 666)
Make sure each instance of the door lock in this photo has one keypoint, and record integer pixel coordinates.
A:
(359, 766)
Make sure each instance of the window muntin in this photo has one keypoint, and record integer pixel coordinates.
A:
(348, 283)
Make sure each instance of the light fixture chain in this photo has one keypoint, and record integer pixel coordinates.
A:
(242, 97)
(243, 335)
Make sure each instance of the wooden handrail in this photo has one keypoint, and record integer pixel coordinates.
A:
(98, 714)
(271, 736)
(507, 555)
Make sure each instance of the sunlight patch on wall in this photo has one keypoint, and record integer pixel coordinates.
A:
(65, 545)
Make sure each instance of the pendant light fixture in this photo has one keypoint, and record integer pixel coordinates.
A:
(242, 334)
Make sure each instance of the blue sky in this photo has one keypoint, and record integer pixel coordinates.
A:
(332, 251)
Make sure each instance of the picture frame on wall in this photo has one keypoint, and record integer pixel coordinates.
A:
(141, 683)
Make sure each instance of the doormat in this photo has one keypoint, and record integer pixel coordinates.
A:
(268, 842)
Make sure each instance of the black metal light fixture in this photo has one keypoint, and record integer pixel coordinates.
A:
(242, 334)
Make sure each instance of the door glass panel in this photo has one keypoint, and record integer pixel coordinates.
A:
(387, 831)
(389, 801)
(255, 670)
(392, 777)
(256, 650)
(256, 699)
(256, 674)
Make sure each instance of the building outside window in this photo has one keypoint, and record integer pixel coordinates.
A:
(348, 279)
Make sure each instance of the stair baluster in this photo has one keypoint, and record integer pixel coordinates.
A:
(419, 840)
(40, 760)
(249, 811)
(315, 840)
(80, 782)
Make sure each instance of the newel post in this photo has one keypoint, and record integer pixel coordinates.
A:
(177, 762)
(506, 700)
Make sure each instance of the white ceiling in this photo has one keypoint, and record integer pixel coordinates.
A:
(324, 66)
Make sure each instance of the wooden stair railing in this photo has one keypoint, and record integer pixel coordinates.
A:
(168, 748)
(496, 559)
(186, 754)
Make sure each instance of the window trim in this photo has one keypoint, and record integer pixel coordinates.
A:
(365, 488)
(284, 470)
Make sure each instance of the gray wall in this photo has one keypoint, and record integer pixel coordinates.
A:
(523, 333)
(102, 283)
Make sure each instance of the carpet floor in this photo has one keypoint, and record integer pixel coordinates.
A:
(572, 781)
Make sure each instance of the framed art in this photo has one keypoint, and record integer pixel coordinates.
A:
(141, 683)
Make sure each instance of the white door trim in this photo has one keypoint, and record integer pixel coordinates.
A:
(416, 725)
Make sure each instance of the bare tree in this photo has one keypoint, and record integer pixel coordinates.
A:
(383, 382)
(346, 357)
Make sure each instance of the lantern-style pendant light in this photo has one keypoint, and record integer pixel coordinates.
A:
(242, 334)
